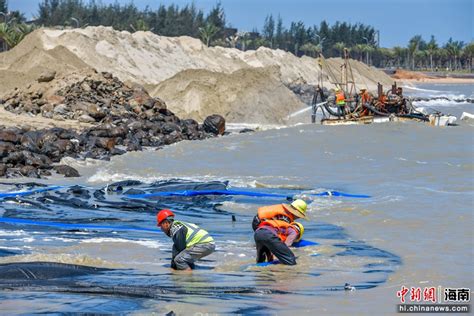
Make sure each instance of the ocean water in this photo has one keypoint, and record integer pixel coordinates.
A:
(414, 231)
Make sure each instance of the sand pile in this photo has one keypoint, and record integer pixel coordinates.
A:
(149, 59)
(405, 74)
(250, 95)
(22, 65)
(89, 97)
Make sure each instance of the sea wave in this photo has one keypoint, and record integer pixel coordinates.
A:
(421, 89)
(439, 102)
(142, 242)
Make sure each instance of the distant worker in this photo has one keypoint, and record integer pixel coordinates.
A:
(399, 92)
(340, 102)
(190, 243)
(365, 99)
(276, 230)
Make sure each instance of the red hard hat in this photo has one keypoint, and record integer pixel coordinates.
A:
(162, 215)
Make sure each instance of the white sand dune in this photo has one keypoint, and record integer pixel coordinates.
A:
(193, 79)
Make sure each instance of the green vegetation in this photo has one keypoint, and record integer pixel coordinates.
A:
(214, 30)
(12, 27)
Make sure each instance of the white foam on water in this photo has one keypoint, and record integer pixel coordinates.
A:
(145, 243)
(27, 239)
(13, 233)
(255, 126)
(59, 239)
(421, 89)
(10, 248)
(106, 176)
(439, 103)
(439, 191)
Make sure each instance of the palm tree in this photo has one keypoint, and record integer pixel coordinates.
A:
(469, 52)
(367, 49)
(431, 48)
(399, 54)
(454, 49)
(387, 56)
(310, 49)
(4, 35)
(339, 46)
(244, 40)
(12, 34)
(232, 40)
(207, 33)
(413, 46)
(358, 49)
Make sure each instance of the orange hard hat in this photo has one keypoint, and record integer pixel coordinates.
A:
(162, 215)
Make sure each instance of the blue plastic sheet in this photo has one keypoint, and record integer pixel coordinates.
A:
(236, 192)
(304, 243)
(266, 264)
(23, 193)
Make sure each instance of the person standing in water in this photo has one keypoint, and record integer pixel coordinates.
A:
(190, 243)
(276, 230)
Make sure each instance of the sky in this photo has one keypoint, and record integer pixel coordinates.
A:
(397, 20)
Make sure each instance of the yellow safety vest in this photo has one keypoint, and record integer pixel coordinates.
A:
(195, 235)
(340, 98)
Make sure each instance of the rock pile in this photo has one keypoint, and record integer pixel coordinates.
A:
(92, 99)
(125, 119)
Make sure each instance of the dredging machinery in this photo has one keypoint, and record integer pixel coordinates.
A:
(348, 106)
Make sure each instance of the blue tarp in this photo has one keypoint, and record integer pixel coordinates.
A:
(236, 192)
(23, 193)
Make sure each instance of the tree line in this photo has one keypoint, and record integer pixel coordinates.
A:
(213, 29)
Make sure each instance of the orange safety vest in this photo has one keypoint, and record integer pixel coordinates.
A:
(267, 214)
(340, 98)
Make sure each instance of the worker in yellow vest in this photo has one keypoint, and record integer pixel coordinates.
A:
(190, 243)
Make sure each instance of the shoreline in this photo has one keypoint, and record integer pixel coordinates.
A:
(438, 80)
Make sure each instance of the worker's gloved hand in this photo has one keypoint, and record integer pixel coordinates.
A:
(255, 222)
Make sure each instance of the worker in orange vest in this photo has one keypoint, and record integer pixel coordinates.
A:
(340, 102)
(276, 230)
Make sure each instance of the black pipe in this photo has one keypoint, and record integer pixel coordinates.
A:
(373, 109)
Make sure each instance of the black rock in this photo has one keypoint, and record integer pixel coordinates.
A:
(168, 128)
(116, 151)
(9, 136)
(214, 124)
(246, 130)
(37, 160)
(66, 171)
(6, 148)
(15, 158)
(29, 171)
